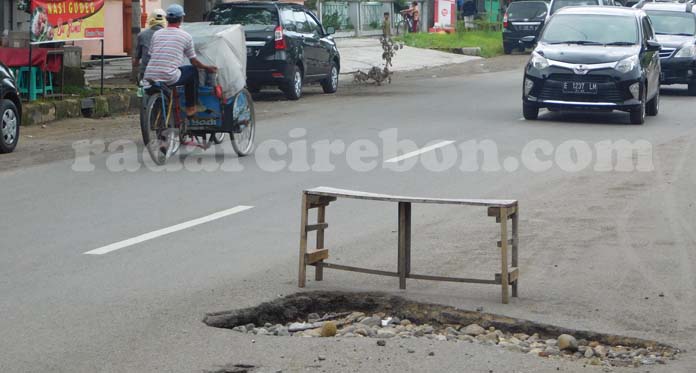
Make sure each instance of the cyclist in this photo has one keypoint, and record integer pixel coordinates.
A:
(414, 14)
(156, 21)
(169, 46)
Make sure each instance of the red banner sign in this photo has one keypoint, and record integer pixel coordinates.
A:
(64, 20)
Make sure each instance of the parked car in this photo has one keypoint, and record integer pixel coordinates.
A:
(10, 110)
(522, 18)
(595, 58)
(287, 47)
(556, 5)
(675, 26)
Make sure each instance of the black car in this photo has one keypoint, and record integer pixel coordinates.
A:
(675, 26)
(557, 5)
(10, 110)
(522, 18)
(286, 45)
(597, 58)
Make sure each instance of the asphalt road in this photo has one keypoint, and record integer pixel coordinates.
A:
(597, 248)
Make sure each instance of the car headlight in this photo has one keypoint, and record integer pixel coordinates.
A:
(627, 64)
(688, 51)
(538, 61)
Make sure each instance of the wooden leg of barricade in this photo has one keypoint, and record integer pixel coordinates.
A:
(515, 249)
(302, 275)
(321, 219)
(504, 253)
(408, 239)
(404, 257)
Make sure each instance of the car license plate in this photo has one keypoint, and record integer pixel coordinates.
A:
(527, 28)
(580, 88)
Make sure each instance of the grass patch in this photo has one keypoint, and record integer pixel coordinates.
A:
(491, 42)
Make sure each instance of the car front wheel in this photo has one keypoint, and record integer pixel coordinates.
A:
(653, 105)
(9, 126)
(692, 89)
(638, 114)
(530, 111)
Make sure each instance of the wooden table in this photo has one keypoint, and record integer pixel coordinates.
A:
(319, 198)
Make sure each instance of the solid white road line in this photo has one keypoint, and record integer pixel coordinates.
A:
(418, 152)
(164, 231)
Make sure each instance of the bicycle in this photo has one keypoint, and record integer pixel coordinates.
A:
(165, 127)
(405, 25)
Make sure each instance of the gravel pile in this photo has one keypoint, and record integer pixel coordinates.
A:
(384, 328)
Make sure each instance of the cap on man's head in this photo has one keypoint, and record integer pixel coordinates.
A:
(175, 11)
(158, 14)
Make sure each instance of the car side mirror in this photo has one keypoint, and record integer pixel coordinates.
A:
(530, 39)
(653, 46)
(330, 30)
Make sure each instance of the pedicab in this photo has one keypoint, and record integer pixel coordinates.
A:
(227, 107)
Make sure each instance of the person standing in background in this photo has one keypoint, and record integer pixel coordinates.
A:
(156, 21)
(386, 25)
(414, 13)
(469, 12)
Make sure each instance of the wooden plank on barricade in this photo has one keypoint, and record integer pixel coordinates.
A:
(314, 256)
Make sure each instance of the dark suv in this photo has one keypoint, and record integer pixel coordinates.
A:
(675, 26)
(286, 45)
(522, 18)
(596, 58)
(557, 5)
(10, 110)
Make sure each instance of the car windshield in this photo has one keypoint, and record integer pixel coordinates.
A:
(252, 18)
(564, 3)
(591, 29)
(673, 23)
(528, 9)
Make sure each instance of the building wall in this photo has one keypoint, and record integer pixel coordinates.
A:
(13, 19)
(113, 33)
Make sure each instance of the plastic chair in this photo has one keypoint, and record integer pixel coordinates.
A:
(48, 84)
(30, 77)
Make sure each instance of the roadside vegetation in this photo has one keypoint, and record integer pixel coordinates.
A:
(489, 41)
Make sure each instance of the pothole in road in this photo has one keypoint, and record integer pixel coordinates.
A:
(385, 317)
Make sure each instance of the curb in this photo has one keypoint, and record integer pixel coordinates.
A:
(467, 51)
(91, 107)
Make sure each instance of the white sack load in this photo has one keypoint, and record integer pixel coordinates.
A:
(223, 46)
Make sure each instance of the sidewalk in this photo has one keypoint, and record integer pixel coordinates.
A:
(356, 54)
(363, 53)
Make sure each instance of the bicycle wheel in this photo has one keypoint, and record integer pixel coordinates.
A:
(219, 137)
(159, 135)
(243, 141)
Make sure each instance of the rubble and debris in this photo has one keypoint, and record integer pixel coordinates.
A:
(392, 318)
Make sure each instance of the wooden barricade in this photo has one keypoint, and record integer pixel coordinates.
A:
(320, 198)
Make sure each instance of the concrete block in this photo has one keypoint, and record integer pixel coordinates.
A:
(118, 104)
(469, 51)
(38, 113)
(67, 109)
(101, 107)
